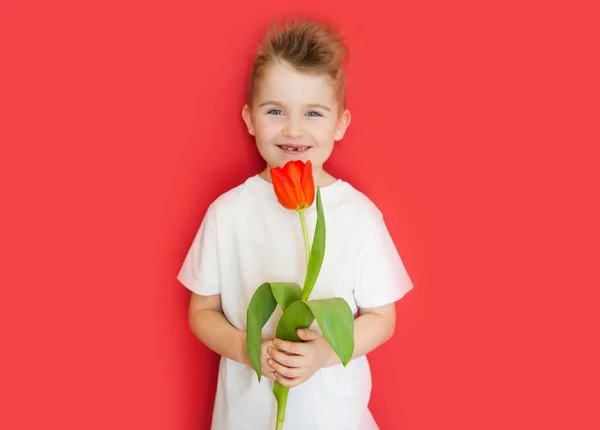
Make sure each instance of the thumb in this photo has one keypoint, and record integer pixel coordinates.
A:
(307, 334)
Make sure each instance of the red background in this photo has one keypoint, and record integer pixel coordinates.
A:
(474, 130)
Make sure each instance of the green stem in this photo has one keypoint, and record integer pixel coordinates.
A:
(305, 233)
(281, 394)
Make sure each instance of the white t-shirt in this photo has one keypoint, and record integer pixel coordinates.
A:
(247, 238)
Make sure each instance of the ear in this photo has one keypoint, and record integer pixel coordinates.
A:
(342, 125)
(247, 115)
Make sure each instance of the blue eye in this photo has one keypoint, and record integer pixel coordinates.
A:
(275, 112)
(315, 113)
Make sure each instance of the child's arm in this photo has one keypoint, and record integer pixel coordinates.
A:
(209, 324)
(372, 328)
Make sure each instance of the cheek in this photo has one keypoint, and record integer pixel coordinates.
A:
(267, 129)
(323, 133)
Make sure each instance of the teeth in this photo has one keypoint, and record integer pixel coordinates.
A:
(294, 148)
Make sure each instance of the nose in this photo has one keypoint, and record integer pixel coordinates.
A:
(292, 128)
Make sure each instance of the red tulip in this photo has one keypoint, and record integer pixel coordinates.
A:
(294, 185)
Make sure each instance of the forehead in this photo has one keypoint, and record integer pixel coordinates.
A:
(284, 84)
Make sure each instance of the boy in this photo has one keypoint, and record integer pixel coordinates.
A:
(296, 110)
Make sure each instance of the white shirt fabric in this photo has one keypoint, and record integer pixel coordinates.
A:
(247, 238)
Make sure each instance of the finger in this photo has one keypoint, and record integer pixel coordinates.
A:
(288, 382)
(289, 347)
(307, 334)
(289, 360)
(288, 372)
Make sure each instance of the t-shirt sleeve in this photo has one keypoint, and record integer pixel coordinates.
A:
(200, 270)
(382, 277)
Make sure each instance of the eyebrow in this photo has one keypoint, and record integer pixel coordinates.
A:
(312, 105)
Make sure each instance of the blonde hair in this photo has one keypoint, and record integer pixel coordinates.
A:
(309, 47)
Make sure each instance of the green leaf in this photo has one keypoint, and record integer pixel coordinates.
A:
(336, 321)
(286, 293)
(317, 251)
(261, 307)
(297, 315)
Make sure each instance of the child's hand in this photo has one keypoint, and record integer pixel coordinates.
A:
(296, 362)
(266, 370)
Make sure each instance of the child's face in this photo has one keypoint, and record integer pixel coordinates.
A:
(295, 116)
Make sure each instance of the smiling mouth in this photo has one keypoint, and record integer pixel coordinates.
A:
(294, 149)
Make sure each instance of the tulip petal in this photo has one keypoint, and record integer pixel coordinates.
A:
(294, 171)
(308, 183)
(283, 187)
